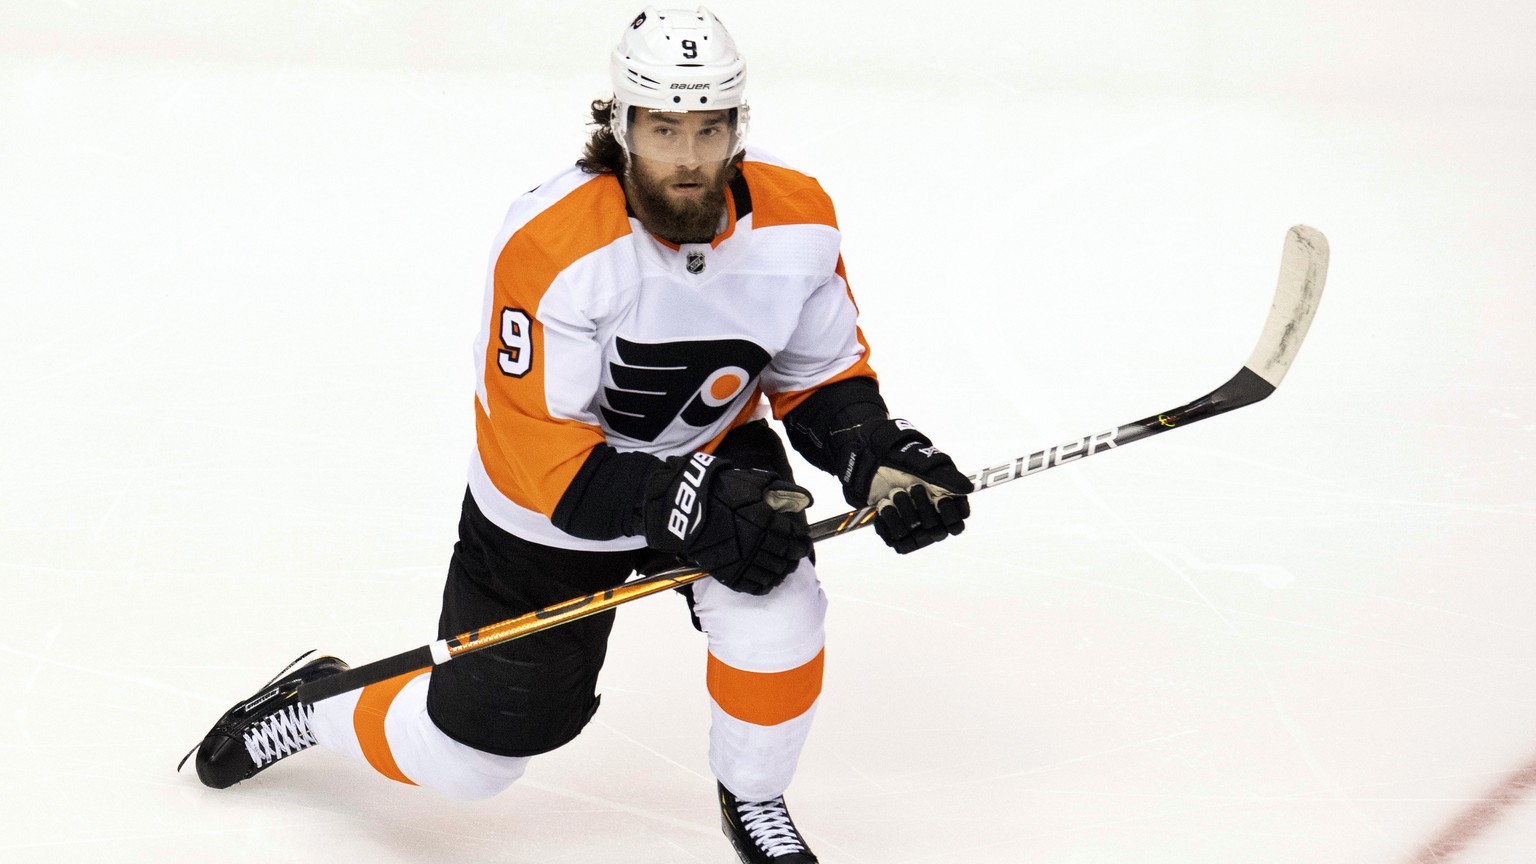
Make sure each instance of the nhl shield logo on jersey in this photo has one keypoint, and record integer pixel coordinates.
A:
(695, 263)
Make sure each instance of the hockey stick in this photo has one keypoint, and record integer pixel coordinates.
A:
(1303, 269)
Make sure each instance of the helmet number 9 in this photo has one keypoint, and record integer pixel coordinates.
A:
(690, 49)
(517, 357)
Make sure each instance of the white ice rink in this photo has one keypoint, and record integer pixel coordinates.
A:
(241, 262)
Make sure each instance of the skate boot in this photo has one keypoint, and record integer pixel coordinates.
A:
(255, 734)
(762, 831)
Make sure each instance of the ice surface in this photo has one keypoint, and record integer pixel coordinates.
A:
(241, 268)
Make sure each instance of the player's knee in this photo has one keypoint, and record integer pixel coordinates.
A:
(479, 778)
(782, 630)
(428, 757)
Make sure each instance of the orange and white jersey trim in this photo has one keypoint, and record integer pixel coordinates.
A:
(596, 331)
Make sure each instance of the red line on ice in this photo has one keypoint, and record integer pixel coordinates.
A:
(1481, 816)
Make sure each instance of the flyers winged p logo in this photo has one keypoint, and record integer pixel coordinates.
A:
(657, 383)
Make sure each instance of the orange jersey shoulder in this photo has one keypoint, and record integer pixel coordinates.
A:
(784, 196)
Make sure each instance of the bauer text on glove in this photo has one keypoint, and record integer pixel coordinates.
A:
(746, 527)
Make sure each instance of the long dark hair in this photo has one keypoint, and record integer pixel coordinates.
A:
(602, 155)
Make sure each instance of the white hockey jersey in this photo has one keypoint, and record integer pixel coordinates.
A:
(597, 331)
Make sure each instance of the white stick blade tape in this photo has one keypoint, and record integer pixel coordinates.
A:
(1303, 270)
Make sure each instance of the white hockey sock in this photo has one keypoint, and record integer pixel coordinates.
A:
(386, 725)
(764, 679)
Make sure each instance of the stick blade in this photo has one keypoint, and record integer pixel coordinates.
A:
(1303, 270)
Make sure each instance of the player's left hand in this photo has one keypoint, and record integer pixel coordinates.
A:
(918, 493)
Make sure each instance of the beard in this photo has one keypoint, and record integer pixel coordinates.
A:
(690, 220)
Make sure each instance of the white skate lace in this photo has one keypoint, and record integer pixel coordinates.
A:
(285, 733)
(768, 824)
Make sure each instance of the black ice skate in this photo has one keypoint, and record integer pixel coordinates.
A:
(762, 831)
(270, 726)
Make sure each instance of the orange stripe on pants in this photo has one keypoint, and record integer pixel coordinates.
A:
(368, 721)
(765, 698)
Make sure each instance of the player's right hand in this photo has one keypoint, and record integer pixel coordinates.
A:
(747, 527)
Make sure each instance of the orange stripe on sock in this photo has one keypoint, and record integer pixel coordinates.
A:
(765, 698)
(368, 721)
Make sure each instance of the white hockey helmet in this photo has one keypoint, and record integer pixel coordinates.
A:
(678, 60)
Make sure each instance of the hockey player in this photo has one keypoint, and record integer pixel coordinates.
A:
(645, 309)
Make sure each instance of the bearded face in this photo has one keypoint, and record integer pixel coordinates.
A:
(678, 205)
(678, 170)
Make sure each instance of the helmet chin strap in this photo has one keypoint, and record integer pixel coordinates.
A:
(618, 124)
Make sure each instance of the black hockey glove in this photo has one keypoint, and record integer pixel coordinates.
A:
(744, 526)
(919, 494)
